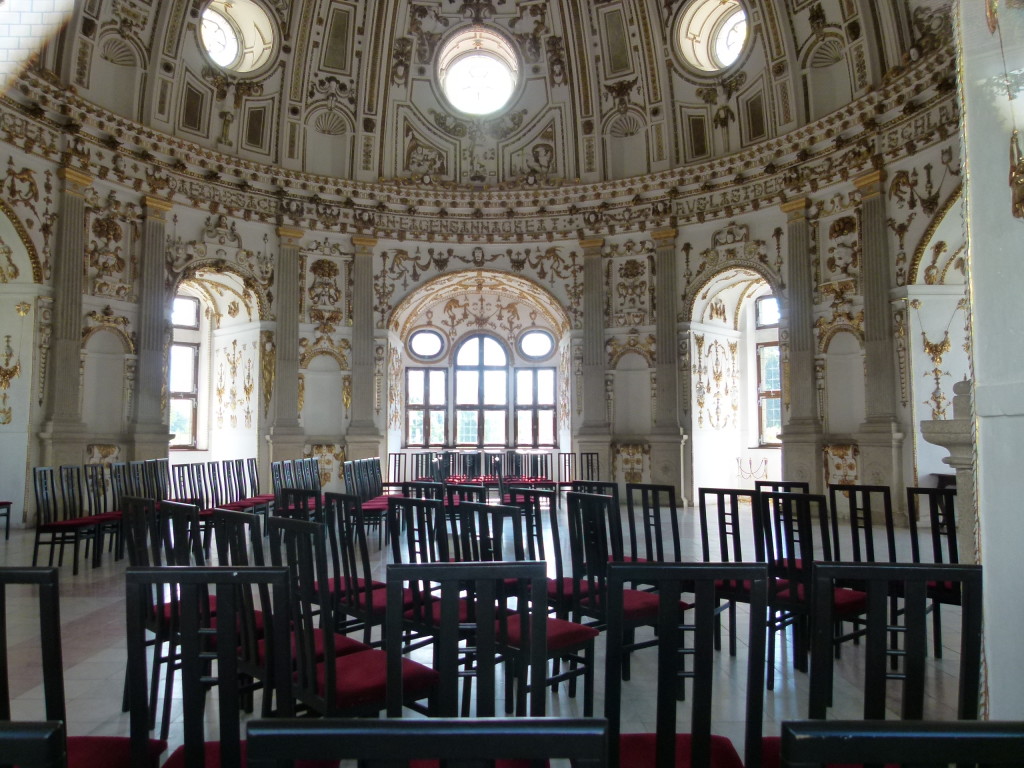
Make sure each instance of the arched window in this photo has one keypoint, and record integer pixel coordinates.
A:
(481, 392)
(489, 396)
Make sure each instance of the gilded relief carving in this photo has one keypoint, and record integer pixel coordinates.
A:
(633, 459)
(107, 320)
(10, 369)
(716, 382)
(841, 464)
(234, 387)
(330, 460)
(733, 244)
(843, 259)
(268, 362)
(394, 388)
(8, 269)
(632, 344)
(324, 290)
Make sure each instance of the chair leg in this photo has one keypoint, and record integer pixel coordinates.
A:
(732, 628)
(936, 630)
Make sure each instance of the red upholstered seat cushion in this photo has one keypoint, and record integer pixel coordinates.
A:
(639, 606)
(342, 645)
(361, 679)
(380, 601)
(637, 750)
(108, 752)
(561, 634)
(733, 587)
(566, 588)
(844, 600)
(212, 755)
(376, 504)
(105, 517)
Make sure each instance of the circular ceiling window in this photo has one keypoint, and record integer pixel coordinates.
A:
(712, 33)
(237, 34)
(478, 71)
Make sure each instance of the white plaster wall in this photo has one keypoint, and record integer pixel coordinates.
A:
(996, 250)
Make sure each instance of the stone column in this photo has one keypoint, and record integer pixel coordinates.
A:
(879, 438)
(286, 437)
(63, 433)
(364, 437)
(667, 437)
(150, 435)
(801, 434)
(594, 435)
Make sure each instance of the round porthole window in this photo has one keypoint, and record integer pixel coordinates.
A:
(426, 344)
(712, 33)
(536, 344)
(237, 34)
(478, 71)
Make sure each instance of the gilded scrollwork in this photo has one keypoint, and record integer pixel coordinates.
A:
(632, 344)
(841, 464)
(268, 362)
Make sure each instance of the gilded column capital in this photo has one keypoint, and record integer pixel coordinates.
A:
(795, 209)
(362, 241)
(77, 180)
(156, 207)
(660, 235)
(870, 184)
(290, 233)
(591, 243)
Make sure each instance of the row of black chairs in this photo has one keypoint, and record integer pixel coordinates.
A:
(443, 464)
(79, 505)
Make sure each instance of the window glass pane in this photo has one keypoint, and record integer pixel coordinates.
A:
(493, 352)
(467, 387)
(437, 427)
(546, 427)
(524, 428)
(183, 421)
(536, 344)
(183, 368)
(771, 419)
(524, 387)
(414, 387)
(438, 388)
(495, 387)
(467, 421)
(185, 312)
(426, 344)
(469, 353)
(494, 427)
(767, 311)
(771, 379)
(546, 386)
(415, 419)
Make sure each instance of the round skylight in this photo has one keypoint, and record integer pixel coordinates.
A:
(712, 33)
(237, 34)
(478, 71)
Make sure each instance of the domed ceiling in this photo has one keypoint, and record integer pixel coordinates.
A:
(596, 90)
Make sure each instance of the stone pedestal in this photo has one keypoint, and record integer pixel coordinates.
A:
(802, 454)
(956, 435)
(881, 450)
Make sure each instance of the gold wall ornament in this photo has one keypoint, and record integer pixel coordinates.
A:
(935, 350)
(8, 373)
(302, 391)
(346, 391)
(268, 361)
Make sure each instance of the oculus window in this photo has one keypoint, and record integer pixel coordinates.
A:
(237, 35)
(712, 33)
(426, 345)
(478, 71)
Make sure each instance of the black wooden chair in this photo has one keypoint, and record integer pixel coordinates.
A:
(35, 744)
(452, 742)
(720, 510)
(911, 581)
(647, 508)
(694, 667)
(861, 508)
(594, 542)
(938, 506)
(475, 612)
(334, 675)
(58, 522)
(205, 639)
(28, 744)
(939, 744)
(782, 486)
(543, 542)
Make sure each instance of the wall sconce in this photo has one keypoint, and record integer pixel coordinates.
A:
(10, 369)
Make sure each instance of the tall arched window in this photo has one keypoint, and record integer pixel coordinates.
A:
(481, 392)
(486, 396)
